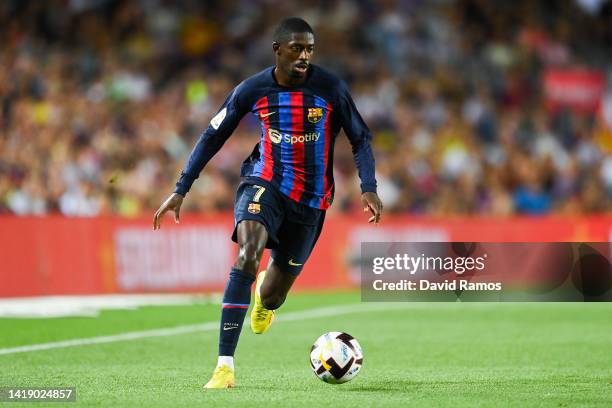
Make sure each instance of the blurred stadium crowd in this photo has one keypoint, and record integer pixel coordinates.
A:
(101, 101)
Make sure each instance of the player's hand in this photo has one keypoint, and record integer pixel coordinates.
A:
(172, 203)
(370, 202)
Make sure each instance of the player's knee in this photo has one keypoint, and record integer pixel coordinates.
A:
(249, 256)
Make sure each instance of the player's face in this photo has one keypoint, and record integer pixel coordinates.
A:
(293, 57)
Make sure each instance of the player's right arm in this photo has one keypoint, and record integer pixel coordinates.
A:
(221, 127)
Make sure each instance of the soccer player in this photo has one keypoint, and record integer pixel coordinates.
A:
(287, 180)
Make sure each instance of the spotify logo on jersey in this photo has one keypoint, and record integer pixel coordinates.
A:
(276, 137)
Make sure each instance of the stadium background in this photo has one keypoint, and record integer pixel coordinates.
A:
(492, 121)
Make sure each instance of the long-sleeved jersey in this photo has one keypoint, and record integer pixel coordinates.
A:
(299, 126)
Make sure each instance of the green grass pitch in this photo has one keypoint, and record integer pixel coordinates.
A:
(417, 354)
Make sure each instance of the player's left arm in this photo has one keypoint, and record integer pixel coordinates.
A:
(360, 137)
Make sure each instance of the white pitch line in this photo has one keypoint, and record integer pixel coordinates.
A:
(286, 317)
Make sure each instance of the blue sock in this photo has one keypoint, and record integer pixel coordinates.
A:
(236, 300)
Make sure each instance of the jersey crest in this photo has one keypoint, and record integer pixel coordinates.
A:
(315, 114)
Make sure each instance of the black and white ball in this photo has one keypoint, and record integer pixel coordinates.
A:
(336, 357)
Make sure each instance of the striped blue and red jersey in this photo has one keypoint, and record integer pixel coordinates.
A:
(298, 131)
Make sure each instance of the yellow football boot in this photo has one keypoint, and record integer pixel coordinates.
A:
(223, 377)
(261, 318)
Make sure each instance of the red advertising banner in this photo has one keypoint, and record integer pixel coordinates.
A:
(575, 88)
(59, 256)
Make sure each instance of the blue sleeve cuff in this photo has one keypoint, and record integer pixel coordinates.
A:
(183, 185)
(181, 190)
(368, 188)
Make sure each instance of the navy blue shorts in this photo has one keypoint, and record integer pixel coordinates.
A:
(293, 228)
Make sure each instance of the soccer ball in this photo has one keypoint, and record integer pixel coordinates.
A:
(336, 357)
